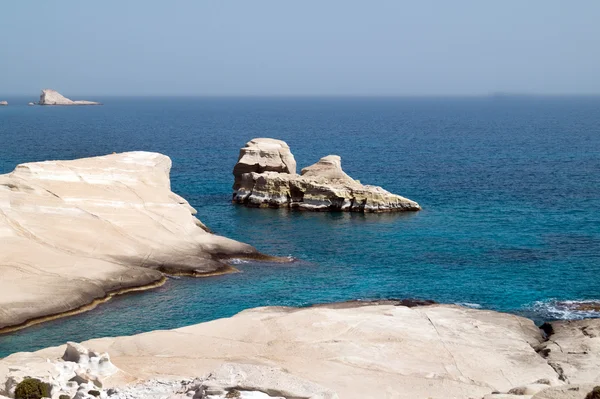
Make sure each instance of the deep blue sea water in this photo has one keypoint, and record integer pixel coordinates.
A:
(510, 189)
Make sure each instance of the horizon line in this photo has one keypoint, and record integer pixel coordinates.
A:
(316, 95)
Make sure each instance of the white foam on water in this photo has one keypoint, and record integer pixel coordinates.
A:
(236, 261)
(469, 305)
(565, 310)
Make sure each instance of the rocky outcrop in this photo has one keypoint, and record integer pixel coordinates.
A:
(263, 155)
(52, 97)
(73, 233)
(79, 370)
(354, 352)
(573, 350)
(265, 177)
(3, 103)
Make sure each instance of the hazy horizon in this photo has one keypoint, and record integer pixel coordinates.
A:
(270, 48)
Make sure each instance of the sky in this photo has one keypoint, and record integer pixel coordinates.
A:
(308, 47)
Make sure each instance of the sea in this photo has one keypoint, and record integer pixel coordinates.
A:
(509, 185)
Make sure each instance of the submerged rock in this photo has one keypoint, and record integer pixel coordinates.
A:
(52, 97)
(265, 177)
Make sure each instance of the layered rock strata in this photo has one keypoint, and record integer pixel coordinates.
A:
(265, 176)
(352, 352)
(52, 97)
(73, 233)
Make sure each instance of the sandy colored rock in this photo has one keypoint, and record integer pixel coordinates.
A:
(323, 186)
(576, 391)
(52, 97)
(573, 349)
(383, 351)
(271, 380)
(264, 155)
(73, 231)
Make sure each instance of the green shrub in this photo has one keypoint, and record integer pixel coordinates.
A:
(64, 397)
(32, 388)
(95, 393)
(595, 394)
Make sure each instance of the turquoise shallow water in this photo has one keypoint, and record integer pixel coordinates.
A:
(510, 189)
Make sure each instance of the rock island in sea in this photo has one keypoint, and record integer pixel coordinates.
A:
(73, 233)
(265, 176)
(52, 97)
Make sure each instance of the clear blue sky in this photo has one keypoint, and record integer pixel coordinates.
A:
(308, 47)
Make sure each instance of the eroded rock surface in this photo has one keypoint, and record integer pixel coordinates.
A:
(373, 351)
(52, 97)
(265, 177)
(264, 155)
(73, 231)
(573, 349)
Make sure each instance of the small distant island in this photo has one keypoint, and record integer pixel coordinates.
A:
(3, 103)
(52, 97)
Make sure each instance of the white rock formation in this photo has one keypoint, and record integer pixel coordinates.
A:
(573, 349)
(52, 97)
(356, 352)
(78, 370)
(72, 232)
(265, 177)
(264, 155)
(3, 103)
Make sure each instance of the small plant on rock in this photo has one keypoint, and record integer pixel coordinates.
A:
(595, 394)
(32, 388)
(95, 393)
(234, 393)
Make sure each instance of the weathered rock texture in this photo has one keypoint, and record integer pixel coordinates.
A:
(573, 349)
(52, 97)
(265, 177)
(264, 155)
(71, 232)
(79, 368)
(378, 351)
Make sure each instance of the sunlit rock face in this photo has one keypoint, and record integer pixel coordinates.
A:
(72, 232)
(265, 177)
(52, 97)
(351, 350)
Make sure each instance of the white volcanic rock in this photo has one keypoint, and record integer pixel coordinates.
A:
(264, 155)
(52, 97)
(356, 352)
(573, 349)
(62, 376)
(577, 391)
(321, 187)
(272, 380)
(3, 103)
(73, 231)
